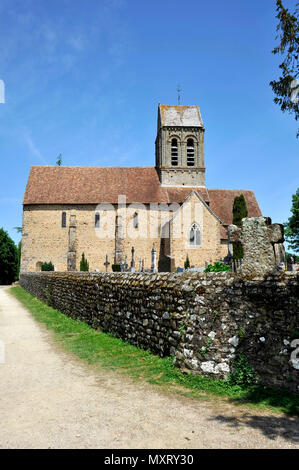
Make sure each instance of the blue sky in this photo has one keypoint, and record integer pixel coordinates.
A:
(84, 79)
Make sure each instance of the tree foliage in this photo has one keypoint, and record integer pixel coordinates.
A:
(8, 259)
(239, 212)
(84, 265)
(47, 266)
(286, 88)
(292, 225)
(59, 160)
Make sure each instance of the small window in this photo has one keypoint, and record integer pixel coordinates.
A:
(190, 152)
(63, 219)
(135, 220)
(174, 152)
(97, 220)
(195, 238)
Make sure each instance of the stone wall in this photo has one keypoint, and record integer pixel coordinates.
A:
(204, 320)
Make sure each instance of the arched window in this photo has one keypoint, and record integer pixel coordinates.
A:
(97, 220)
(135, 220)
(63, 219)
(194, 236)
(174, 152)
(190, 152)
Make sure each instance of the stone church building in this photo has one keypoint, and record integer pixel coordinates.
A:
(144, 217)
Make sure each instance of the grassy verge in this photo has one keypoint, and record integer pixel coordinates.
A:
(97, 347)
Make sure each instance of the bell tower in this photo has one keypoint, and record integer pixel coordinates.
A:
(180, 146)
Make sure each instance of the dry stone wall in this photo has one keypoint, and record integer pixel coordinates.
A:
(204, 320)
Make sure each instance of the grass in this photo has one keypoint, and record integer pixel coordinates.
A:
(98, 348)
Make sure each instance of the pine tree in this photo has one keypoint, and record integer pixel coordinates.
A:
(84, 265)
(239, 212)
(187, 262)
(292, 226)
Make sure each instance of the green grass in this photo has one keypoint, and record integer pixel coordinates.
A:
(103, 349)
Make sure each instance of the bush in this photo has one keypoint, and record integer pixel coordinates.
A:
(116, 268)
(47, 266)
(243, 373)
(84, 265)
(217, 268)
(8, 259)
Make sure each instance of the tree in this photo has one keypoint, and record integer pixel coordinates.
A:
(286, 88)
(84, 266)
(239, 212)
(59, 160)
(292, 225)
(8, 259)
(19, 248)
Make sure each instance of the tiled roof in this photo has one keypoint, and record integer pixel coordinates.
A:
(171, 115)
(94, 185)
(222, 200)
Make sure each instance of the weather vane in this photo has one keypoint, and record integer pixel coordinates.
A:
(179, 89)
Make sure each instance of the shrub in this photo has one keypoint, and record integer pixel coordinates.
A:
(243, 373)
(217, 267)
(116, 268)
(187, 262)
(47, 266)
(84, 265)
(8, 259)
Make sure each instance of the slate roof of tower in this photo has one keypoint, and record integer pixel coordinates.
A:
(186, 116)
(94, 185)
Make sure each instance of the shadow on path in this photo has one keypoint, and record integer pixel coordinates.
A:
(271, 426)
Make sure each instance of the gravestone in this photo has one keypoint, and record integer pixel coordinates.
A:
(262, 242)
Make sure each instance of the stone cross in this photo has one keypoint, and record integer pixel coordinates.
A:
(133, 260)
(262, 242)
(126, 264)
(71, 255)
(118, 240)
(106, 264)
(154, 261)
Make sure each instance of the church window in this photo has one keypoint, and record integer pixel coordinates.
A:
(135, 220)
(194, 237)
(190, 152)
(174, 152)
(97, 220)
(63, 219)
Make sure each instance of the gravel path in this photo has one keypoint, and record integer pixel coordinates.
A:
(48, 399)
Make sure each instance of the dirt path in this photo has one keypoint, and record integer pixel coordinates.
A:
(50, 400)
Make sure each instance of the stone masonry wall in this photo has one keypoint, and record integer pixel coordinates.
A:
(204, 320)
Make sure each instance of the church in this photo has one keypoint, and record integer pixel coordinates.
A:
(139, 218)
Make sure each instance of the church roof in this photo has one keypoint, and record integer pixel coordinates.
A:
(186, 116)
(94, 185)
